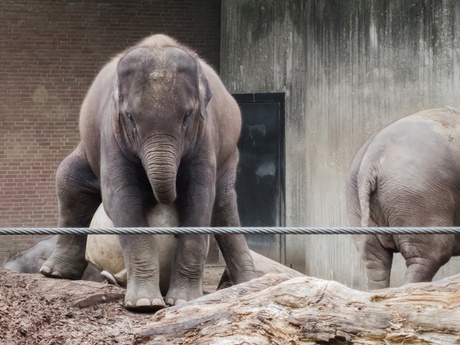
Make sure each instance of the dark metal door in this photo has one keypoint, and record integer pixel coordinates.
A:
(260, 179)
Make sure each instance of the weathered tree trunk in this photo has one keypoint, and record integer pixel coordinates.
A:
(279, 309)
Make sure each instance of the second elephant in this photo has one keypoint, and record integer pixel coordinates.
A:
(408, 174)
(105, 253)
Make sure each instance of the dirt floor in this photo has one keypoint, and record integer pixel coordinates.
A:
(39, 310)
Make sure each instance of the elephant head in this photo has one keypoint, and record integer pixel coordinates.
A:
(162, 98)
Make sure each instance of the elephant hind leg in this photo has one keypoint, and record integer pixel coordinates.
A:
(424, 255)
(377, 260)
(420, 270)
(240, 265)
(79, 197)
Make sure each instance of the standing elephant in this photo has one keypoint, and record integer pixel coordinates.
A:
(157, 126)
(408, 174)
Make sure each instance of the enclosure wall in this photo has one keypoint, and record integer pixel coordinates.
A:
(347, 68)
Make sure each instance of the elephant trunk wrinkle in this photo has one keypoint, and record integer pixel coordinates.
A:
(160, 140)
(161, 157)
(161, 164)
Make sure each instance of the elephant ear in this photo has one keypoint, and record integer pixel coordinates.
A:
(204, 90)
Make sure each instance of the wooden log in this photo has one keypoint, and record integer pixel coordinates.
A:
(265, 265)
(274, 309)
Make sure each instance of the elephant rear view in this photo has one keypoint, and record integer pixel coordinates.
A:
(408, 174)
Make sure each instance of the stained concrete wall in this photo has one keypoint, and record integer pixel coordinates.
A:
(347, 68)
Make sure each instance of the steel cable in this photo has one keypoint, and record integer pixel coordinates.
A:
(233, 230)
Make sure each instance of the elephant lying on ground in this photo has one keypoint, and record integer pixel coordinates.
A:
(157, 126)
(31, 259)
(408, 174)
(105, 253)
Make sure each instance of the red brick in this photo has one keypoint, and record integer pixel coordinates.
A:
(50, 52)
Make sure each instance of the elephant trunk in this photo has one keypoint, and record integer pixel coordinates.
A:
(161, 164)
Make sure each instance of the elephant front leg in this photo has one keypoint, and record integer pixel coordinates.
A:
(194, 205)
(126, 194)
(68, 258)
(78, 196)
(187, 269)
(126, 208)
(140, 254)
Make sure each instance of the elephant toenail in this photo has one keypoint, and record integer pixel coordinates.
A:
(180, 302)
(143, 302)
(56, 274)
(170, 301)
(45, 270)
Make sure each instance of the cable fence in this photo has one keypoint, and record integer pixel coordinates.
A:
(232, 230)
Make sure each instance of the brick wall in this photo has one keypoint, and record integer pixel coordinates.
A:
(49, 53)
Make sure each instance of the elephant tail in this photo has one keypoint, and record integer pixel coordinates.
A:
(367, 184)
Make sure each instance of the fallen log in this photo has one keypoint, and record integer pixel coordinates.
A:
(278, 309)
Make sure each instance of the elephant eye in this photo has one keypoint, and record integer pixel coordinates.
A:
(186, 118)
(131, 119)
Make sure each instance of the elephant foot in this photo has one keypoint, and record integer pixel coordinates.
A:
(180, 296)
(240, 269)
(225, 280)
(239, 275)
(64, 268)
(141, 298)
(244, 277)
(68, 258)
(145, 305)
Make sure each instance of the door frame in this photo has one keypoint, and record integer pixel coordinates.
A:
(278, 97)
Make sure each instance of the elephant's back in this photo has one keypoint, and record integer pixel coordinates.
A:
(96, 112)
(431, 135)
(225, 116)
(442, 125)
(443, 122)
(418, 159)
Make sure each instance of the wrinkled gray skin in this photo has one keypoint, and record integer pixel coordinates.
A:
(157, 125)
(31, 259)
(408, 174)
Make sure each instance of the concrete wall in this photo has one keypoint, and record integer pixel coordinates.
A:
(50, 51)
(348, 68)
